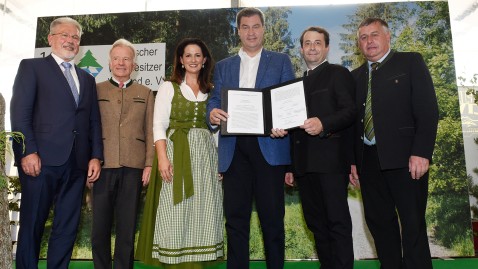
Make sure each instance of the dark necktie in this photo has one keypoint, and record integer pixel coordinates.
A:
(71, 81)
(368, 124)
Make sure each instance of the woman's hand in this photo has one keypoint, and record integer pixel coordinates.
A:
(166, 169)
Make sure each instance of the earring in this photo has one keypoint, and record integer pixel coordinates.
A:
(202, 65)
(182, 66)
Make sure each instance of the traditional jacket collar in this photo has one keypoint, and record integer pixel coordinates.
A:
(126, 85)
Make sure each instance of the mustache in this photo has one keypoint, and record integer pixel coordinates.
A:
(69, 46)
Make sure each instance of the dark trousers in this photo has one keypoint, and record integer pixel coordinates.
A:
(327, 215)
(250, 178)
(390, 196)
(115, 196)
(60, 186)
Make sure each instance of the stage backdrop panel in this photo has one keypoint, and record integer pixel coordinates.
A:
(416, 26)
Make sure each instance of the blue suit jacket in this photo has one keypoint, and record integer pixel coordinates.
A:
(274, 68)
(44, 111)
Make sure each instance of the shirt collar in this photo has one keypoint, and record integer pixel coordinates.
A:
(310, 69)
(126, 84)
(201, 96)
(381, 59)
(59, 60)
(243, 54)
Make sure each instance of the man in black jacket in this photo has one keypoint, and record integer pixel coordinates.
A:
(321, 151)
(394, 140)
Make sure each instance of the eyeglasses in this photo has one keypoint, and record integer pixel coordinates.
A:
(65, 36)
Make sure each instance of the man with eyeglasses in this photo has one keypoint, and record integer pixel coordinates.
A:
(55, 106)
(126, 109)
(321, 151)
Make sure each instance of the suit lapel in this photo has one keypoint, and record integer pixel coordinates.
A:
(235, 70)
(263, 63)
(53, 64)
(363, 83)
(61, 77)
(380, 76)
(82, 82)
(318, 69)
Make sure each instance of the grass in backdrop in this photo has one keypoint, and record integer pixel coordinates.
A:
(298, 241)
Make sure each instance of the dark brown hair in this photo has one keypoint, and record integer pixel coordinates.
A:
(317, 29)
(249, 12)
(204, 77)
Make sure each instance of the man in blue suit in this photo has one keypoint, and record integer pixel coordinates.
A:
(253, 167)
(62, 146)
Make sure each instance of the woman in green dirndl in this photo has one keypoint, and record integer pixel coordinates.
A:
(182, 224)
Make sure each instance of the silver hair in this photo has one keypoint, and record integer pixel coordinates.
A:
(64, 20)
(124, 43)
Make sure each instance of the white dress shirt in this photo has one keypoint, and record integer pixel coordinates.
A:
(248, 71)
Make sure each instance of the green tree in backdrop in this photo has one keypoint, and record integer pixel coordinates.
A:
(395, 14)
(448, 213)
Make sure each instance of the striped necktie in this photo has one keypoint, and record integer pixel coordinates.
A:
(368, 124)
(71, 81)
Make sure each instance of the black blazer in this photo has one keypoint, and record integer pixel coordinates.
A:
(329, 92)
(404, 108)
(44, 111)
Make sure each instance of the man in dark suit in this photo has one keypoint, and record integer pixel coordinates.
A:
(253, 167)
(54, 105)
(394, 140)
(321, 155)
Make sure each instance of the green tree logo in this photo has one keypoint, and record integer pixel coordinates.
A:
(89, 64)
